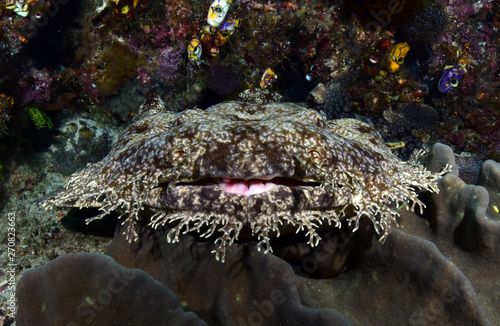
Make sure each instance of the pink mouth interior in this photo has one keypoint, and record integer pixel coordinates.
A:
(246, 187)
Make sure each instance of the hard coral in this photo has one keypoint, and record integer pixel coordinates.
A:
(56, 294)
(169, 62)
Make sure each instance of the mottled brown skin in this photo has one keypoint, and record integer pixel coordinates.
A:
(166, 162)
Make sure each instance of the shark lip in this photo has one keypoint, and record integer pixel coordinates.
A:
(242, 199)
(248, 187)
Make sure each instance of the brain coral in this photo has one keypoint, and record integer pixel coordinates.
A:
(239, 170)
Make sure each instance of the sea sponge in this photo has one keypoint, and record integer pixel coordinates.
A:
(120, 65)
(425, 28)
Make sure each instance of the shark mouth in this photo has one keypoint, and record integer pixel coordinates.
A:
(248, 187)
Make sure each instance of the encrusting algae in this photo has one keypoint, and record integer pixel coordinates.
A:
(258, 170)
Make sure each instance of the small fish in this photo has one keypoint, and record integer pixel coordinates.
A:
(450, 78)
(194, 50)
(226, 29)
(397, 56)
(217, 12)
(267, 78)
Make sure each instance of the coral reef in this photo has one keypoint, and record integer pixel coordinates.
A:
(331, 99)
(79, 142)
(92, 49)
(95, 62)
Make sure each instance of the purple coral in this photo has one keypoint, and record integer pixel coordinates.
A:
(38, 87)
(169, 62)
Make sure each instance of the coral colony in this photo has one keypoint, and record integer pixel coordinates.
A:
(237, 128)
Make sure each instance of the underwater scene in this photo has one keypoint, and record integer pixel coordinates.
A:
(249, 163)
